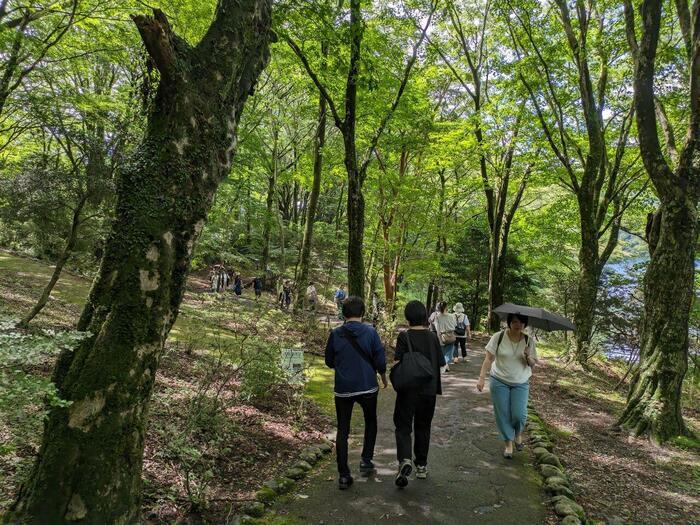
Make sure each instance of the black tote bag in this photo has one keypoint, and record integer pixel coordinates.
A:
(413, 371)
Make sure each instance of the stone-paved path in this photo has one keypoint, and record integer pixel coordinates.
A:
(468, 480)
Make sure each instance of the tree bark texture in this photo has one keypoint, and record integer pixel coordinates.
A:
(654, 399)
(89, 466)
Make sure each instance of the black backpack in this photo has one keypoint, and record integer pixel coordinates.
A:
(413, 371)
(461, 328)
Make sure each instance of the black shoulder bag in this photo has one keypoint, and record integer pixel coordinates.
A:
(413, 371)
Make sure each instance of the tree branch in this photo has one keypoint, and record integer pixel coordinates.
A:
(158, 37)
(399, 94)
(654, 162)
(686, 25)
(339, 123)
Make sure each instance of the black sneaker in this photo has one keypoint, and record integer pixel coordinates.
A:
(405, 469)
(344, 482)
(366, 466)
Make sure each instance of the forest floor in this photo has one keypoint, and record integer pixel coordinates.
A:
(616, 478)
(217, 430)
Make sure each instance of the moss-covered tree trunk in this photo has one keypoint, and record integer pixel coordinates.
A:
(89, 466)
(653, 405)
(587, 286)
(654, 399)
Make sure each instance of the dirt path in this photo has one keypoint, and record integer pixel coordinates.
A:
(468, 481)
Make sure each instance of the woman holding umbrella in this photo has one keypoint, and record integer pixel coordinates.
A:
(510, 357)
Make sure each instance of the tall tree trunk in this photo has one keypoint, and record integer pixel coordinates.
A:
(356, 200)
(500, 229)
(602, 181)
(429, 298)
(62, 260)
(654, 400)
(269, 205)
(88, 469)
(319, 143)
(497, 272)
(355, 169)
(587, 292)
(386, 263)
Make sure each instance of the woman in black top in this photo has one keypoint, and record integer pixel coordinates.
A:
(414, 409)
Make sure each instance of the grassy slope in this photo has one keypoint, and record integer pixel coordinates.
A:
(266, 433)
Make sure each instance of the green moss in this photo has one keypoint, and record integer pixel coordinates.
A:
(691, 443)
(265, 495)
(319, 387)
(272, 519)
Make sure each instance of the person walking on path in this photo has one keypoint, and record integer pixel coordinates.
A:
(338, 299)
(258, 287)
(414, 408)
(238, 285)
(445, 324)
(462, 331)
(311, 296)
(510, 357)
(287, 294)
(431, 319)
(355, 352)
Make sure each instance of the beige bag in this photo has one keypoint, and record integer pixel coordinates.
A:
(448, 338)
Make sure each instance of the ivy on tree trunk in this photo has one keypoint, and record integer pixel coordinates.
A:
(89, 466)
(654, 399)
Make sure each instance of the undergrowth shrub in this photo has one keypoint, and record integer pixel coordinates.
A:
(26, 392)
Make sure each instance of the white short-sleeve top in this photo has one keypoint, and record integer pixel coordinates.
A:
(509, 365)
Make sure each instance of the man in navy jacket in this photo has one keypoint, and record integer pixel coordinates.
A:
(355, 352)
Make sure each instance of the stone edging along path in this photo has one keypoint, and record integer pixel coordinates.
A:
(556, 482)
(275, 487)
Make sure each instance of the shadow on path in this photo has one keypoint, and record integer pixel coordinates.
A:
(468, 480)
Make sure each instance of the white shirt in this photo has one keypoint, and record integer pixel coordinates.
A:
(509, 365)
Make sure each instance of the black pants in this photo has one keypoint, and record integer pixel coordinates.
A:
(413, 412)
(343, 411)
(461, 343)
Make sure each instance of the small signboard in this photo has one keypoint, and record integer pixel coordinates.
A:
(293, 363)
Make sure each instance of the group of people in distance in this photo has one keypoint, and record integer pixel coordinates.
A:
(355, 352)
(220, 279)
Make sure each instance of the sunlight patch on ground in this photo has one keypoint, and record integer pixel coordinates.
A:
(319, 386)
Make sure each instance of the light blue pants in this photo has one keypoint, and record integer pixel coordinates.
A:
(448, 352)
(509, 407)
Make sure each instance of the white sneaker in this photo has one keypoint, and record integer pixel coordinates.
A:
(405, 469)
(421, 471)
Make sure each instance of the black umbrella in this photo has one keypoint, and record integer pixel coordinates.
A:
(537, 317)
